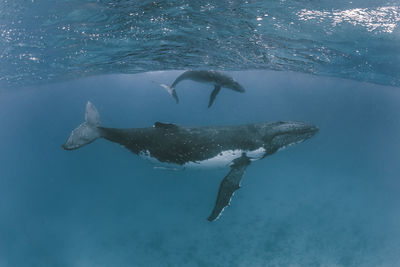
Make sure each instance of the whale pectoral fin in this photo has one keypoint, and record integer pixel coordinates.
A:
(214, 94)
(229, 185)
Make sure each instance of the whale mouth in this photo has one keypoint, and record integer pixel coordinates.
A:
(309, 131)
(307, 128)
(313, 129)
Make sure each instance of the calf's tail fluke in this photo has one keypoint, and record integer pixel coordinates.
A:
(87, 132)
(171, 90)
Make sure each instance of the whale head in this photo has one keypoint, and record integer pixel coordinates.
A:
(284, 134)
(227, 82)
(234, 85)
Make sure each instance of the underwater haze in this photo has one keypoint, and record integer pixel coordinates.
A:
(332, 200)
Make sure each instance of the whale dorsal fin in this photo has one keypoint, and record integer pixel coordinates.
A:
(162, 125)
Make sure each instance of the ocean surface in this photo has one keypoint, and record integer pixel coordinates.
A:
(47, 40)
(330, 201)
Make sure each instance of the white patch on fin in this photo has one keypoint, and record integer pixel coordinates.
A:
(167, 88)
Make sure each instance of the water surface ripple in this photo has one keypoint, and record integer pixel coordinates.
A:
(47, 40)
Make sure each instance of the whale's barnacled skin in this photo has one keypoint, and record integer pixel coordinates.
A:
(179, 145)
(212, 146)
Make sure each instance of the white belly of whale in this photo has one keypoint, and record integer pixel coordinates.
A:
(222, 160)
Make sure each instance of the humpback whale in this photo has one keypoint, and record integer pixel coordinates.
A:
(234, 147)
(218, 79)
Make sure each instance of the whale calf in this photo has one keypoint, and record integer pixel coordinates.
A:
(173, 146)
(218, 79)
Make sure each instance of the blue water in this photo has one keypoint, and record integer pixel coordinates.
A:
(330, 201)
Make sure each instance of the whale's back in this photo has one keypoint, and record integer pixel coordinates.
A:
(169, 143)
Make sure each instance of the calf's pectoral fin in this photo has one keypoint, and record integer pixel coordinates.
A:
(229, 185)
(214, 94)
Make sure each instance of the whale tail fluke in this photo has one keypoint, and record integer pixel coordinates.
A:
(171, 90)
(87, 132)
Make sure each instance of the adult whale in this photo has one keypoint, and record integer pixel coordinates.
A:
(218, 79)
(211, 146)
